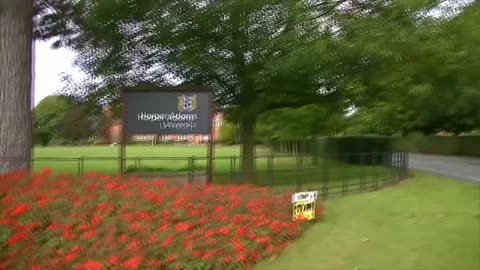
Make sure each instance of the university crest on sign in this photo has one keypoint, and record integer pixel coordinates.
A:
(187, 103)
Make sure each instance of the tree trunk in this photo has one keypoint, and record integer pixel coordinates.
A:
(248, 148)
(15, 84)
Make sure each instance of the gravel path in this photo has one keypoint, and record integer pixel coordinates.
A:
(461, 168)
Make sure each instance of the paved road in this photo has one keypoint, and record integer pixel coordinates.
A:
(462, 168)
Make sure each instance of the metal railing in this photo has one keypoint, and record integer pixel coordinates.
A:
(335, 174)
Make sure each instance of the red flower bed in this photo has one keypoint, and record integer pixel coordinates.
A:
(107, 222)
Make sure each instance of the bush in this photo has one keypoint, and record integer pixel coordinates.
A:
(364, 150)
(229, 134)
(42, 136)
(442, 145)
(106, 222)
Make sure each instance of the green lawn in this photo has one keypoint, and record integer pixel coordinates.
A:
(427, 222)
(167, 160)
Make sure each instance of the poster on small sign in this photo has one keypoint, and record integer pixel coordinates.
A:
(304, 205)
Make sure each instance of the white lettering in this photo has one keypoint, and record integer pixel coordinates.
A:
(173, 117)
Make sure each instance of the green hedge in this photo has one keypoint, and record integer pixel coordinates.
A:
(352, 149)
(441, 145)
(366, 150)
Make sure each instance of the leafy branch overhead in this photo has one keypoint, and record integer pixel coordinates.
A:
(395, 61)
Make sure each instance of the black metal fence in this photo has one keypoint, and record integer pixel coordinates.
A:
(335, 174)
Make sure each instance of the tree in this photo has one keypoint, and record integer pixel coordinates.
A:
(228, 133)
(257, 55)
(80, 123)
(15, 84)
(400, 68)
(42, 136)
(48, 113)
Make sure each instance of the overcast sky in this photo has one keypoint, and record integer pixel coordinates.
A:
(49, 64)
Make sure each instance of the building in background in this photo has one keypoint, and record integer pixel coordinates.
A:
(115, 128)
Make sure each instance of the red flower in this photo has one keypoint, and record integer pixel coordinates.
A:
(171, 258)
(83, 227)
(114, 259)
(209, 233)
(89, 234)
(132, 263)
(17, 237)
(70, 257)
(197, 254)
(227, 259)
(241, 257)
(135, 243)
(20, 209)
(166, 213)
(42, 200)
(123, 238)
(206, 256)
(242, 230)
(111, 185)
(167, 241)
(152, 238)
(68, 235)
(178, 202)
(76, 248)
(191, 229)
(102, 205)
(96, 220)
(46, 171)
(144, 215)
(163, 228)
(223, 231)
(182, 227)
(194, 212)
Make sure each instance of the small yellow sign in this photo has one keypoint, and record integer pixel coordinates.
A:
(304, 205)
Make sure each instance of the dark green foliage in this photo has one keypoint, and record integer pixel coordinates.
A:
(366, 150)
(81, 124)
(42, 136)
(414, 76)
(48, 114)
(229, 134)
(442, 145)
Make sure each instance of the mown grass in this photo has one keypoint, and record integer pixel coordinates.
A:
(167, 160)
(427, 222)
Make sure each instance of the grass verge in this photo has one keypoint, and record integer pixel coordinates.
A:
(427, 222)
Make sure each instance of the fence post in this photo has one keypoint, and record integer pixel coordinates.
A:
(82, 164)
(345, 170)
(193, 168)
(270, 169)
(325, 177)
(234, 167)
(139, 165)
(231, 168)
(406, 164)
(375, 170)
(78, 166)
(190, 169)
(299, 171)
(363, 174)
(385, 164)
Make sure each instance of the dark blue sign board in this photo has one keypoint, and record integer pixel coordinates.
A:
(183, 111)
(167, 111)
